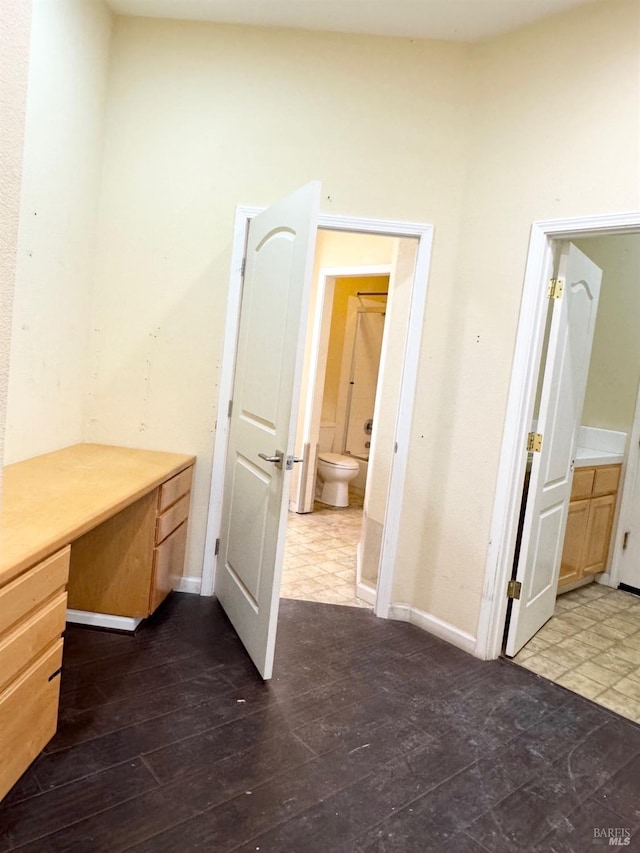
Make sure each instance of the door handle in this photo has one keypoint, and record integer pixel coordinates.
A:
(291, 460)
(277, 458)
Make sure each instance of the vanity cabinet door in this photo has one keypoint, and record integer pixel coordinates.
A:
(598, 534)
(574, 541)
(589, 523)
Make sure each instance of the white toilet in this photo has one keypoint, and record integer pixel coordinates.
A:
(334, 475)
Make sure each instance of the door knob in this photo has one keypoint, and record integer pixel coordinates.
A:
(291, 460)
(276, 459)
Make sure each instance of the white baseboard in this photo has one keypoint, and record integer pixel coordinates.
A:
(103, 620)
(366, 593)
(433, 625)
(191, 583)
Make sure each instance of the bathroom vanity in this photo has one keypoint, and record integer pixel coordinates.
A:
(587, 541)
(108, 522)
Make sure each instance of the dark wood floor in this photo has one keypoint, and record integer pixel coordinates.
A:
(372, 736)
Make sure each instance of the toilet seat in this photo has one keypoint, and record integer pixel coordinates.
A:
(337, 460)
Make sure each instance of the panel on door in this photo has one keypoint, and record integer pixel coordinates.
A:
(273, 316)
(563, 388)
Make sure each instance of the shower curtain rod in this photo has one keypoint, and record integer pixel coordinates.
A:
(372, 293)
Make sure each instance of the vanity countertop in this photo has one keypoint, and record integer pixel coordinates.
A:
(587, 457)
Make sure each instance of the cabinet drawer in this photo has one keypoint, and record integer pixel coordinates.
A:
(168, 564)
(606, 480)
(175, 488)
(28, 639)
(30, 589)
(28, 716)
(172, 518)
(582, 483)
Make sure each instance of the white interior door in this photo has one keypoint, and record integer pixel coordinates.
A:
(266, 389)
(561, 402)
(629, 554)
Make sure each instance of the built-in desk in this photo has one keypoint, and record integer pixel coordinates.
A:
(108, 522)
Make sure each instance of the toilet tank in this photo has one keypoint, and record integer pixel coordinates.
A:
(327, 433)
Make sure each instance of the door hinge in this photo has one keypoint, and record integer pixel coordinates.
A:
(217, 548)
(230, 408)
(625, 540)
(243, 267)
(534, 442)
(514, 588)
(556, 286)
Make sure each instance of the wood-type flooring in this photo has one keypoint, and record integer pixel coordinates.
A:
(372, 737)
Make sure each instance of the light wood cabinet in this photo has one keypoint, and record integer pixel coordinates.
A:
(98, 529)
(170, 535)
(32, 619)
(116, 568)
(591, 511)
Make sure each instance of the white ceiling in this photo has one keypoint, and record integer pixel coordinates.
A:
(452, 20)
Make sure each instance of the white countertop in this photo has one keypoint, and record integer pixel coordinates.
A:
(586, 457)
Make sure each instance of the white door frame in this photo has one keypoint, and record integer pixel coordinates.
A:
(524, 378)
(391, 228)
(324, 298)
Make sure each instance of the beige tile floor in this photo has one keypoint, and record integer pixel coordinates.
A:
(320, 554)
(592, 646)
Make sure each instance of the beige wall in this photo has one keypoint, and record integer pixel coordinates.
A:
(555, 134)
(15, 25)
(614, 371)
(60, 193)
(478, 141)
(203, 117)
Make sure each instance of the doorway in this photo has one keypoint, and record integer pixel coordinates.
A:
(591, 644)
(402, 412)
(354, 363)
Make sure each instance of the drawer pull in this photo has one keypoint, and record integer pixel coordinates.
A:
(55, 674)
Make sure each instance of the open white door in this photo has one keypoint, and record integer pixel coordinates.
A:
(266, 389)
(629, 554)
(562, 398)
